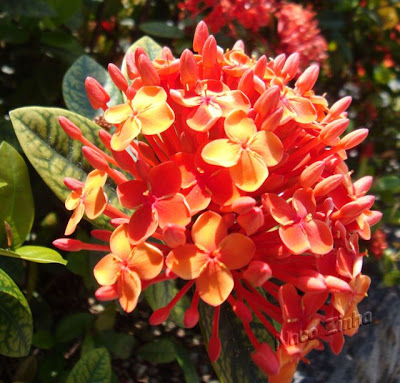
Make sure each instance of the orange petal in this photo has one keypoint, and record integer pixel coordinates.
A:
(209, 230)
(124, 135)
(341, 302)
(119, 242)
(143, 224)
(156, 118)
(232, 100)
(215, 283)
(96, 178)
(319, 235)
(173, 209)
(146, 260)
(147, 96)
(73, 200)
(303, 109)
(236, 251)
(223, 191)
(290, 302)
(107, 270)
(250, 172)
(95, 203)
(131, 193)
(221, 152)
(362, 285)
(129, 289)
(185, 162)
(118, 113)
(268, 146)
(165, 179)
(75, 219)
(187, 261)
(294, 238)
(280, 210)
(204, 117)
(179, 97)
(197, 198)
(238, 127)
(304, 202)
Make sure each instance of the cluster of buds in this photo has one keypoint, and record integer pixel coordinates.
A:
(235, 182)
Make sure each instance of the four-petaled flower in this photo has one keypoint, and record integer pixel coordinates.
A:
(210, 258)
(127, 266)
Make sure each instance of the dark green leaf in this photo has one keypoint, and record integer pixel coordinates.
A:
(37, 254)
(74, 86)
(161, 29)
(235, 363)
(15, 319)
(72, 326)
(51, 152)
(389, 183)
(160, 294)
(16, 201)
(119, 344)
(158, 351)
(93, 367)
(26, 8)
(26, 370)
(43, 339)
(64, 9)
(184, 361)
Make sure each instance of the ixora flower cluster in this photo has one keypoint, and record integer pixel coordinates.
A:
(235, 182)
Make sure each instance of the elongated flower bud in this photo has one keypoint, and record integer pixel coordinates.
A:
(118, 78)
(200, 36)
(70, 128)
(97, 95)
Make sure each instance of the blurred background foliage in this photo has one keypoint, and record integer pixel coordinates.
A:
(358, 48)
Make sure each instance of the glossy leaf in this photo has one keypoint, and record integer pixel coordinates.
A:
(159, 351)
(37, 254)
(160, 294)
(93, 367)
(235, 363)
(149, 45)
(161, 29)
(51, 152)
(16, 201)
(73, 86)
(16, 325)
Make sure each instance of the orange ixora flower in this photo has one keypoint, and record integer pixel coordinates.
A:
(210, 258)
(246, 152)
(89, 198)
(127, 266)
(147, 113)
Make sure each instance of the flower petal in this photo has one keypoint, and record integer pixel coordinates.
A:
(124, 135)
(131, 193)
(304, 202)
(250, 172)
(143, 224)
(147, 96)
(118, 113)
(173, 209)
(290, 302)
(202, 118)
(95, 203)
(165, 179)
(75, 219)
(119, 242)
(222, 152)
(238, 127)
(214, 284)
(236, 251)
(96, 178)
(107, 270)
(187, 167)
(156, 119)
(232, 100)
(197, 198)
(146, 260)
(129, 289)
(179, 97)
(294, 238)
(303, 109)
(186, 261)
(268, 146)
(209, 230)
(280, 210)
(223, 191)
(319, 235)
(73, 199)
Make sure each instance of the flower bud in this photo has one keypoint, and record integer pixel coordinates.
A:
(73, 184)
(340, 106)
(257, 273)
(327, 185)
(291, 66)
(174, 235)
(117, 77)
(200, 36)
(107, 293)
(354, 138)
(131, 66)
(210, 52)
(95, 159)
(260, 66)
(214, 349)
(243, 205)
(333, 130)
(147, 71)
(105, 138)
(68, 244)
(279, 61)
(265, 359)
(311, 174)
(335, 284)
(191, 317)
(242, 311)
(70, 128)
(308, 78)
(102, 235)
(159, 316)
(268, 101)
(272, 121)
(189, 69)
(97, 95)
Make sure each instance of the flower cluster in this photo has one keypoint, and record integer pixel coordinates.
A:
(234, 181)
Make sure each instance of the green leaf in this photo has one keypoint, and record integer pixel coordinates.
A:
(52, 153)
(161, 29)
(149, 45)
(93, 367)
(74, 86)
(43, 339)
(72, 326)
(16, 201)
(159, 351)
(389, 183)
(160, 294)
(26, 370)
(118, 343)
(37, 254)
(65, 9)
(186, 364)
(235, 363)
(16, 325)
(26, 8)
